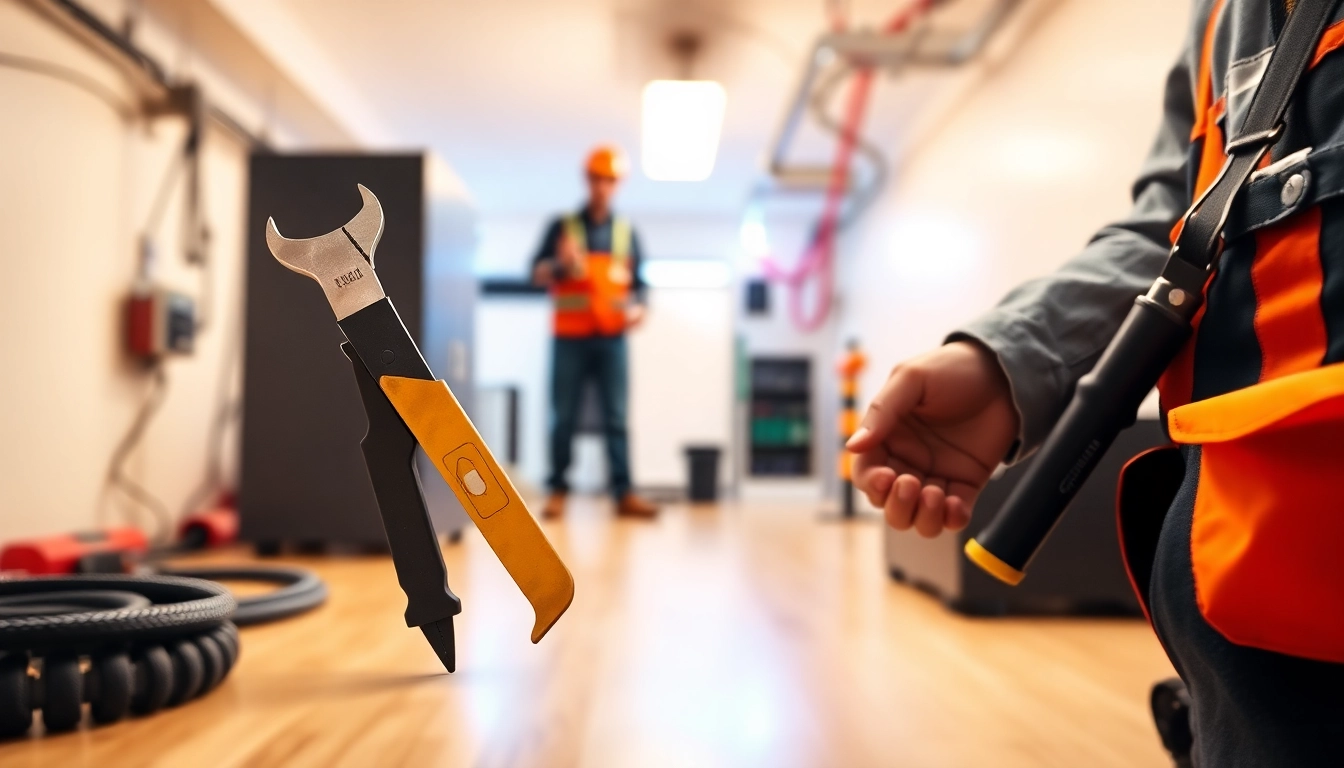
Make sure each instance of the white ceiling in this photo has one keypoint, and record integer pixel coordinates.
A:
(513, 92)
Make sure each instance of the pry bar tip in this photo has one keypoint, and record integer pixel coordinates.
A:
(440, 636)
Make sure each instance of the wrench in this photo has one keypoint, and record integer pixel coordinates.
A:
(342, 263)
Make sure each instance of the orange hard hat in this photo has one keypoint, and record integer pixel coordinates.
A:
(607, 161)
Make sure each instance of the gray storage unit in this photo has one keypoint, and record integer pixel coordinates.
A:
(1078, 571)
(302, 476)
(780, 423)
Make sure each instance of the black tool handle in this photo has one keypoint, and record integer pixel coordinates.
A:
(1105, 402)
(389, 453)
(382, 343)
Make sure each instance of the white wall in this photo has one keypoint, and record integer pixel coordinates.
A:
(513, 349)
(1038, 154)
(78, 182)
(681, 382)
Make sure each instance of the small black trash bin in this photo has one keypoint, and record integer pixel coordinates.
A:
(703, 484)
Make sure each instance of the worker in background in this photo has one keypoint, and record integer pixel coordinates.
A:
(1246, 586)
(590, 262)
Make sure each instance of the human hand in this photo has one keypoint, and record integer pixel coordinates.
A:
(543, 274)
(932, 437)
(635, 314)
(569, 256)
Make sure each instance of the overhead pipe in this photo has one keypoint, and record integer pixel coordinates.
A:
(147, 77)
(872, 48)
(969, 45)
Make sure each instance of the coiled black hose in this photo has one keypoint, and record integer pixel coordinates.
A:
(300, 590)
(123, 644)
(128, 644)
(178, 606)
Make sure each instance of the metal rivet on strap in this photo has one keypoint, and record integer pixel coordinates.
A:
(1292, 189)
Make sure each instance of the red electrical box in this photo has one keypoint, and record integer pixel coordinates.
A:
(160, 322)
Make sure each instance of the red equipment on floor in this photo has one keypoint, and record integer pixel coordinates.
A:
(114, 549)
(72, 552)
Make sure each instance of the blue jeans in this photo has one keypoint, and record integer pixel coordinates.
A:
(603, 360)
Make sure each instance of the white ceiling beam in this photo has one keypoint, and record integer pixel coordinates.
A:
(291, 47)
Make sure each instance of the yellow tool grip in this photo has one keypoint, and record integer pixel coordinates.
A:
(449, 438)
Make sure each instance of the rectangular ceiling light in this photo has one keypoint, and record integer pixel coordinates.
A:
(681, 124)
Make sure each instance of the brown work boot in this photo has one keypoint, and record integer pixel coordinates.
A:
(631, 505)
(555, 506)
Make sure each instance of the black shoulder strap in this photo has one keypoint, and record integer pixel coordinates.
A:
(1199, 244)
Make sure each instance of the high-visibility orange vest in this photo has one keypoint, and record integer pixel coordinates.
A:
(1253, 392)
(594, 303)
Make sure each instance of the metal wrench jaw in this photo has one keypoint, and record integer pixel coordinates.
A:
(340, 261)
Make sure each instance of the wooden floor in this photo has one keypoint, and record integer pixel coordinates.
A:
(717, 636)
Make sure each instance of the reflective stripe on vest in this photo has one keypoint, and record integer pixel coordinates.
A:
(576, 301)
(620, 235)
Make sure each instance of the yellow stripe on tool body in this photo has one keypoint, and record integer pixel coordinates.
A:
(991, 564)
(441, 426)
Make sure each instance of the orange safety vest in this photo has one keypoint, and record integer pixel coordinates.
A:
(1268, 517)
(594, 303)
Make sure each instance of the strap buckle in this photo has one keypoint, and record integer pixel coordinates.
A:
(1255, 140)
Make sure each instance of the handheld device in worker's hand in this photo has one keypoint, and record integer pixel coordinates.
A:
(406, 406)
(1107, 401)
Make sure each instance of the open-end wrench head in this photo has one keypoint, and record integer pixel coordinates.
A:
(366, 228)
(340, 261)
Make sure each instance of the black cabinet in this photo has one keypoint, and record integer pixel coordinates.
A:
(302, 476)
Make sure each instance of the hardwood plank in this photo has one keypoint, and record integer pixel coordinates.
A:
(718, 636)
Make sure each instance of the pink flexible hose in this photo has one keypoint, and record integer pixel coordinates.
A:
(816, 265)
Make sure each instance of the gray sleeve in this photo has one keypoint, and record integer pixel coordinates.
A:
(638, 288)
(1047, 333)
(549, 241)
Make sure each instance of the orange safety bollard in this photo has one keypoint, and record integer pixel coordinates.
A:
(850, 366)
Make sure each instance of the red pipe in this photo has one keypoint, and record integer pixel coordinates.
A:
(817, 262)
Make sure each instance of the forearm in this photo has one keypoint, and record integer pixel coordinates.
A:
(639, 290)
(1049, 332)
(545, 269)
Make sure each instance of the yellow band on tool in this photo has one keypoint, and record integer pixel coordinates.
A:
(992, 565)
